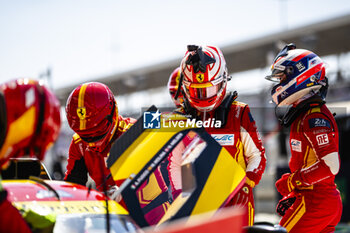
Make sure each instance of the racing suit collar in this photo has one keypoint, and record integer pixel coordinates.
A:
(294, 111)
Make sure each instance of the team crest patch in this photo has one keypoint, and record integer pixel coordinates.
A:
(296, 145)
(81, 112)
(200, 77)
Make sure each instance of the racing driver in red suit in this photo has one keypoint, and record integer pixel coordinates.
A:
(204, 81)
(30, 122)
(92, 113)
(311, 201)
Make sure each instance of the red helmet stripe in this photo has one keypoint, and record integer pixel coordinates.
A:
(81, 106)
(301, 55)
(211, 66)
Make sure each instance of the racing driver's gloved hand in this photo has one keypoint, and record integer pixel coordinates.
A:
(285, 203)
(114, 194)
(288, 183)
(245, 194)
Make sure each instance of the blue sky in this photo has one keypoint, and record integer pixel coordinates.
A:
(82, 40)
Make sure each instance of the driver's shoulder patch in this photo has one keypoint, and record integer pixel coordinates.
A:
(319, 122)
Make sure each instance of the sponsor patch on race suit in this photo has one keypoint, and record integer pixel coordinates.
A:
(319, 122)
(322, 139)
(296, 145)
(224, 139)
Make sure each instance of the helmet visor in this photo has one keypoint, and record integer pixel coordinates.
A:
(97, 133)
(278, 76)
(205, 90)
(100, 141)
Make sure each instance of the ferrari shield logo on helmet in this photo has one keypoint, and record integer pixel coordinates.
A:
(81, 112)
(200, 77)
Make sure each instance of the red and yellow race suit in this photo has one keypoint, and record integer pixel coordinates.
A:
(241, 138)
(82, 160)
(314, 149)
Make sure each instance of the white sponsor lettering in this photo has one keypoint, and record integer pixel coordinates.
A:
(322, 139)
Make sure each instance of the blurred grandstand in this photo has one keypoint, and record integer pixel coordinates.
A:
(248, 63)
